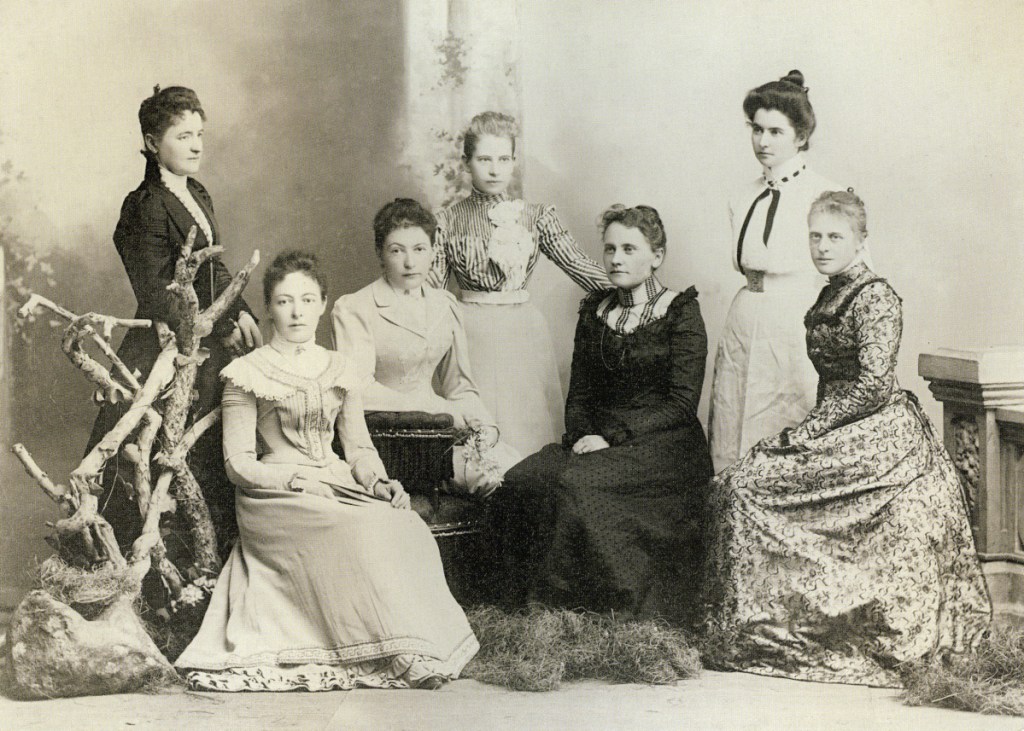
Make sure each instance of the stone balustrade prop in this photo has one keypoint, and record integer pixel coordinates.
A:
(982, 396)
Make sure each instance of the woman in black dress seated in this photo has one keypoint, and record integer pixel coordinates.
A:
(841, 548)
(613, 511)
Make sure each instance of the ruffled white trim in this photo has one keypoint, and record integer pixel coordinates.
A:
(258, 375)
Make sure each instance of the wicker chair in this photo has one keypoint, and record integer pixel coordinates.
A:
(416, 448)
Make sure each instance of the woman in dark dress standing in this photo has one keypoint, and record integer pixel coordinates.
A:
(155, 221)
(614, 510)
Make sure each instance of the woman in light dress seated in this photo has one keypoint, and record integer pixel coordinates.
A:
(334, 582)
(407, 337)
(841, 547)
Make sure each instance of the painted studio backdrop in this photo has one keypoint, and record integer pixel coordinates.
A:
(318, 112)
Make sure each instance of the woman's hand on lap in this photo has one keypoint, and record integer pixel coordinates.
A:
(590, 443)
(393, 492)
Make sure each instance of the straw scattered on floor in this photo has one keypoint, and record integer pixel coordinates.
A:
(990, 680)
(538, 649)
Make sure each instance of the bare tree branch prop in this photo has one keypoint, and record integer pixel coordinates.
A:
(99, 327)
(140, 454)
(159, 377)
(220, 305)
(71, 344)
(58, 493)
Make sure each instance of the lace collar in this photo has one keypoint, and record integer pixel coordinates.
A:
(293, 350)
(784, 172)
(478, 196)
(177, 184)
(641, 293)
(269, 375)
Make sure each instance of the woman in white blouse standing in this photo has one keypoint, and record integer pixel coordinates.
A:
(491, 242)
(763, 380)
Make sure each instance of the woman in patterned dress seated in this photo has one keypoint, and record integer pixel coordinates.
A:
(491, 242)
(841, 547)
(403, 334)
(333, 583)
(610, 518)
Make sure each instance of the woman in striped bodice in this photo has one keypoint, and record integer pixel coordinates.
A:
(491, 243)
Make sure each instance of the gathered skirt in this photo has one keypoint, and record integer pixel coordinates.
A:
(763, 380)
(512, 358)
(619, 529)
(843, 558)
(321, 593)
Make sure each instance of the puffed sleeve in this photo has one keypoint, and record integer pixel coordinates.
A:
(558, 245)
(360, 453)
(239, 412)
(143, 240)
(440, 268)
(688, 352)
(456, 380)
(878, 323)
(580, 403)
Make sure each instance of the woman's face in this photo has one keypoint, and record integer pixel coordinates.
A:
(180, 149)
(296, 305)
(628, 257)
(773, 137)
(406, 256)
(833, 242)
(491, 164)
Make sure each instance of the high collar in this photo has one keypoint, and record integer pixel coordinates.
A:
(641, 293)
(175, 183)
(386, 296)
(785, 172)
(481, 197)
(290, 349)
(849, 274)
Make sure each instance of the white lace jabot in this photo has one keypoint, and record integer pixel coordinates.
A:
(178, 184)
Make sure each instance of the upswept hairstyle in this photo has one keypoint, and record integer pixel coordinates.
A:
(402, 213)
(160, 111)
(292, 261)
(641, 217)
(844, 203)
(489, 123)
(789, 96)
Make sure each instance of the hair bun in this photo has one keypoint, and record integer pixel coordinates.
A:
(796, 78)
(156, 89)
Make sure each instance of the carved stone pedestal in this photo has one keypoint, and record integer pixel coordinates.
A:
(982, 393)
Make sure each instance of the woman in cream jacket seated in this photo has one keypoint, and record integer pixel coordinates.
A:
(410, 344)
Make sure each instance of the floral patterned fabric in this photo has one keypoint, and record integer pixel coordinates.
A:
(841, 548)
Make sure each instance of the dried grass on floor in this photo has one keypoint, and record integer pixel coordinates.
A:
(991, 680)
(539, 648)
(87, 592)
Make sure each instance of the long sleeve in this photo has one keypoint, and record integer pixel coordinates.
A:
(558, 245)
(688, 357)
(143, 240)
(878, 322)
(440, 269)
(456, 381)
(360, 453)
(581, 402)
(239, 427)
